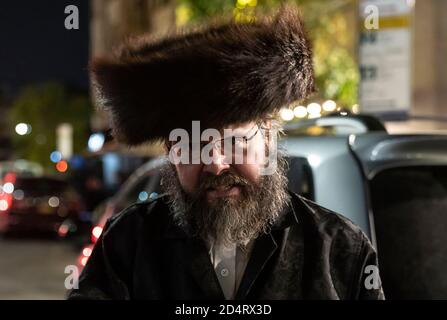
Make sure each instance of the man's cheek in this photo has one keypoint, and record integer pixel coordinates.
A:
(188, 176)
(250, 172)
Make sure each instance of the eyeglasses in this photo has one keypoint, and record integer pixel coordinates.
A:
(232, 147)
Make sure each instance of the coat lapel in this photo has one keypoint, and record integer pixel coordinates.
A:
(203, 271)
(263, 249)
(198, 262)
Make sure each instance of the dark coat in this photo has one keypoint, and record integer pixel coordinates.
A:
(310, 253)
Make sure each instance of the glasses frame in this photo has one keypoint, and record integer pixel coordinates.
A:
(213, 144)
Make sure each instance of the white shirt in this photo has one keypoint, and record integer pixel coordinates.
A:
(229, 264)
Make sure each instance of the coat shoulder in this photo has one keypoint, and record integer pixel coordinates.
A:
(330, 223)
(154, 210)
(348, 249)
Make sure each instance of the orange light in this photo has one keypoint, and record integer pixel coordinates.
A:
(62, 166)
(96, 233)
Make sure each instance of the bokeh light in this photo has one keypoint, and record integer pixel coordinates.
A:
(8, 187)
(329, 106)
(62, 166)
(300, 112)
(286, 114)
(96, 142)
(55, 156)
(23, 129)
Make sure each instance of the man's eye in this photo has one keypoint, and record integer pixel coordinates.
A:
(238, 141)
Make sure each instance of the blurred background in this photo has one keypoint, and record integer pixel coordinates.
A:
(62, 174)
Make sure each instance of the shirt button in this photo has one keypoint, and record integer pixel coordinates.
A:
(224, 272)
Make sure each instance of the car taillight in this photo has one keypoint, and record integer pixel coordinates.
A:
(10, 177)
(6, 191)
(4, 206)
(63, 230)
(83, 261)
(96, 233)
(85, 255)
(5, 201)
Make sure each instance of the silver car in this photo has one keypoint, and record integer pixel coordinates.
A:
(394, 187)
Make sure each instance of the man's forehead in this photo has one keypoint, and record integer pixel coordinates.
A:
(238, 127)
(232, 129)
(198, 132)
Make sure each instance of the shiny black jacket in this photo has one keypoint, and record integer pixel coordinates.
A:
(310, 253)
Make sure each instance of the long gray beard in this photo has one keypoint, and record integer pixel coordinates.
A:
(228, 220)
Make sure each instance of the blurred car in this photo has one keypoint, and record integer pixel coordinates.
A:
(22, 167)
(393, 186)
(36, 204)
(142, 185)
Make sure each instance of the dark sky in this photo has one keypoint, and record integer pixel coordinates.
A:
(36, 47)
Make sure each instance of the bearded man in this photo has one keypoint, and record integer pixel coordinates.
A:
(226, 228)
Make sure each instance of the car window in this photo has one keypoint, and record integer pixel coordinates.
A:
(152, 186)
(142, 189)
(300, 177)
(410, 216)
(132, 193)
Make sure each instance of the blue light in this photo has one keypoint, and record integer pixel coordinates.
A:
(143, 196)
(77, 162)
(55, 156)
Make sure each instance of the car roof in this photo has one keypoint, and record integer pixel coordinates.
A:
(378, 151)
(337, 181)
(339, 164)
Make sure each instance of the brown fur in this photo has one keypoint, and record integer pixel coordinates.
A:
(223, 74)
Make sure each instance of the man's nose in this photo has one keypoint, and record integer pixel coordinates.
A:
(218, 165)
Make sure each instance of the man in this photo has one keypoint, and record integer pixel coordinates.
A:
(227, 228)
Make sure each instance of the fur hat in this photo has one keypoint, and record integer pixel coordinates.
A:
(223, 74)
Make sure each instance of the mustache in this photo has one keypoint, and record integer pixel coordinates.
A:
(226, 179)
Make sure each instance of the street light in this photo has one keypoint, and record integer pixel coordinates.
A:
(314, 110)
(300, 112)
(96, 142)
(22, 129)
(286, 114)
(329, 106)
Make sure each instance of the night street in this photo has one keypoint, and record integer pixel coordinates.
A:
(34, 269)
(222, 150)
